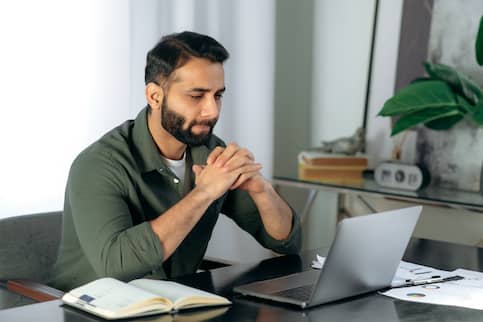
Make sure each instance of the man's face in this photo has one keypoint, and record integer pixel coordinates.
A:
(176, 125)
(191, 109)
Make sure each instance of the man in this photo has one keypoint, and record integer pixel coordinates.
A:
(143, 200)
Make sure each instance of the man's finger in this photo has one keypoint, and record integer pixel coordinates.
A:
(243, 178)
(214, 154)
(249, 168)
(255, 167)
(197, 169)
(227, 154)
(249, 155)
(237, 162)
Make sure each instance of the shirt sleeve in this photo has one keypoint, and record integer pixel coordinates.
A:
(112, 243)
(240, 207)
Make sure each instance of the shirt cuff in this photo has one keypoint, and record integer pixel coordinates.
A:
(290, 245)
(148, 247)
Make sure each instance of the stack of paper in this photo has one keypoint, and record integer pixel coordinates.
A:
(409, 271)
(467, 292)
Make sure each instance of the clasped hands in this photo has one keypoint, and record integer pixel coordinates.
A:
(227, 169)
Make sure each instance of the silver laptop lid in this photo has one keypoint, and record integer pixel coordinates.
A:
(365, 254)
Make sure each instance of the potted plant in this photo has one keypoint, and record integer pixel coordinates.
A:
(440, 100)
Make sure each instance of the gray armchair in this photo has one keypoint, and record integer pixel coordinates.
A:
(28, 250)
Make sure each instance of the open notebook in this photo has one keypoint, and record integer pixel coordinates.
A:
(113, 299)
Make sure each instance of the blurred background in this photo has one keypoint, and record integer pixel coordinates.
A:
(298, 74)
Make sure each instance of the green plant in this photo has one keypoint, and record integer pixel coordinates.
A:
(440, 100)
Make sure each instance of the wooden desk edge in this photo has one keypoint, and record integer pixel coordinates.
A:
(34, 290)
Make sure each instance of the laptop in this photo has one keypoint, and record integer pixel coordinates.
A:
(363, 258)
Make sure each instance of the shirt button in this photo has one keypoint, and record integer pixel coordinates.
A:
(175, 180)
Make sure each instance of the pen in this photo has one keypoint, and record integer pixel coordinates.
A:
(431, 280)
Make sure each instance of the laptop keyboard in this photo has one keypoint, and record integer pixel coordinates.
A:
(301, 293)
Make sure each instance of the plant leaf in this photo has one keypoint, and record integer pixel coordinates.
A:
(444, 123)
(479, 44)
(419, 96)
(477, 115)
(423, 116)
(461, 84)
(466, 107)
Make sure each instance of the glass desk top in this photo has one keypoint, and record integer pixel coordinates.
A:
(429, 195)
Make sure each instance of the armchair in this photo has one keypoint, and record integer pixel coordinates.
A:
(28, 250)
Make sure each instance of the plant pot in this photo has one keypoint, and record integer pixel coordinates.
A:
(453, 157)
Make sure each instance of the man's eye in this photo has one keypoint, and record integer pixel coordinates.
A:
(196, 97)
(218, 97)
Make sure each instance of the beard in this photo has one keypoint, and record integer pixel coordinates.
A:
(174, 122)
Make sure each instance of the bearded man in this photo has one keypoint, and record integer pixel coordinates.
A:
(143, 200)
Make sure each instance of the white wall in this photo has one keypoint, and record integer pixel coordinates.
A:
(64, 81)
(144, 34)
(342, 43)
(72, 71)
(378, 140)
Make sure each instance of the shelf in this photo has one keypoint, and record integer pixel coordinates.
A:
(429, 195)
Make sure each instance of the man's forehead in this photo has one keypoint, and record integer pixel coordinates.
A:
(200, 73)
(198, 67)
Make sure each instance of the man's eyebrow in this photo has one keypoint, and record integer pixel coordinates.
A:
(205, 90)
(199, 89)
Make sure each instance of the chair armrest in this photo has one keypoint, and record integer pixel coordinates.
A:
(34, 290)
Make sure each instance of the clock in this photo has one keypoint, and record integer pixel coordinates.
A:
(398, 175)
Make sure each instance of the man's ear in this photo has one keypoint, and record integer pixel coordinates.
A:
(154, 95)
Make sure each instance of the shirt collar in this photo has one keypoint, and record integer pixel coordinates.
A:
(148, 157)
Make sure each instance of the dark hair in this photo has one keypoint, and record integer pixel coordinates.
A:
(174, 50)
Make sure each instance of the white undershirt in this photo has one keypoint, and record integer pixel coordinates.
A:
(177, 166)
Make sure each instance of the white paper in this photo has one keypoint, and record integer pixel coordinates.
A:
(319, 262)
(467, 292)
(405, 271)
(410, 271)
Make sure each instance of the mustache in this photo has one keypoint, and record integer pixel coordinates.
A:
(210, 123)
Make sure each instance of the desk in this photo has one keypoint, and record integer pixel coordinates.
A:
(371, 307)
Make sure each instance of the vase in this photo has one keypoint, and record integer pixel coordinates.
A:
(453, 157)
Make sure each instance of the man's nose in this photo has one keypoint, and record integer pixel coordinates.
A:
(210, 108)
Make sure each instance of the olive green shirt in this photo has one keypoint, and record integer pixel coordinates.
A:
(119, 183)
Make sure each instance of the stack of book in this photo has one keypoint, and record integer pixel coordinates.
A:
(331, 168)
